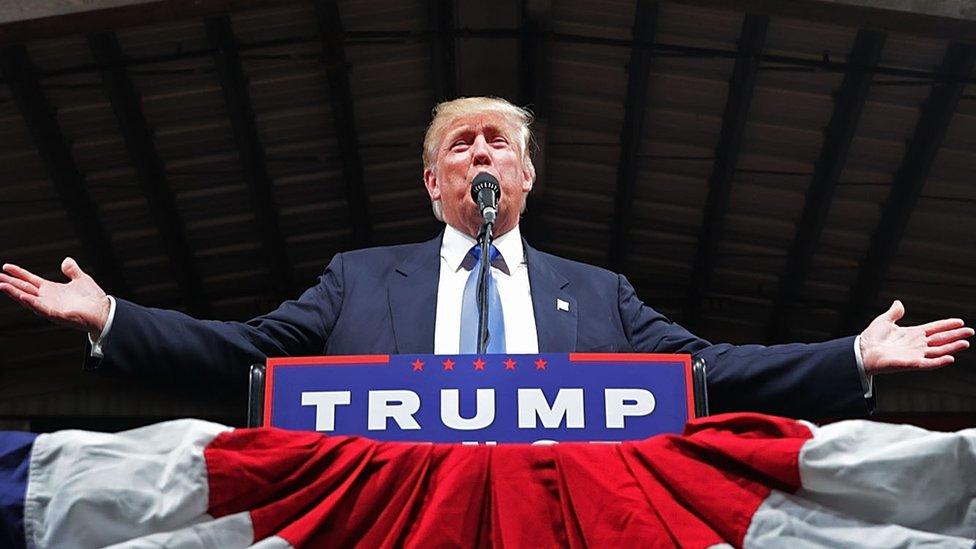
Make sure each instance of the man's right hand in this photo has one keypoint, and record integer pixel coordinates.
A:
(79, 304)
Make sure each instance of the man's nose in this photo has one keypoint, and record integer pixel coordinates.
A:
(481, 152)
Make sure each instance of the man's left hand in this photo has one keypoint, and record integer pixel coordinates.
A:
(887, 347)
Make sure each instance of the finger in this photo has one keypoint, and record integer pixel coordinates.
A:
(942, 325)
(11, 291)
(28, 301)
(895, 312)
(23, 274)
(21, 285)
(949, 336)
(947, 349)
(938, 362)
(71, 269)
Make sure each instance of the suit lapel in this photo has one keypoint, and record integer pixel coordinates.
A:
(555, 326)
(413, 298)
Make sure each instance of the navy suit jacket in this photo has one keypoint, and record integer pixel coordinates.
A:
(383, 301)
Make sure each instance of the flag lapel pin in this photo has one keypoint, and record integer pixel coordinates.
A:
(562, 305)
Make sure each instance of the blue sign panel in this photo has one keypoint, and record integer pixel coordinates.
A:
(482, 399)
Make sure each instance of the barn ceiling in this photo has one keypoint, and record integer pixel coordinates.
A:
(760, 174)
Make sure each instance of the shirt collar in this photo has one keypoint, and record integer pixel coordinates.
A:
(456, 244)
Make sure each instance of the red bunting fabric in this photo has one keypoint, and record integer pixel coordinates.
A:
(311, 490)
(743, 480)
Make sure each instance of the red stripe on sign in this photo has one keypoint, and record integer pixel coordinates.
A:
(689, 388)
(291, 361)
(647, 357)
(628, 357)
(332, 360)
(697, 489)
(268, 394)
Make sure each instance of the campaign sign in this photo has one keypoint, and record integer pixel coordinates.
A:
(482, 398)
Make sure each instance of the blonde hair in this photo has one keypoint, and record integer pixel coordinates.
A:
(448, 111)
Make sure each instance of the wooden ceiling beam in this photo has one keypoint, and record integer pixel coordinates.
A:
(39, 19)
(533, 54)
(443, 56)
(534, 93)
(140, 144)
(738, 100)
(941, 19)
(237, 99)
(41, 119)
(848, 103)
(344, 119)
(933, 123)
(635, 107)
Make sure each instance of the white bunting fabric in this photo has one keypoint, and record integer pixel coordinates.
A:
(740, 480)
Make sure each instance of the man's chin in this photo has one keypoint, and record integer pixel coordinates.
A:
(468, 225)
(471, 221)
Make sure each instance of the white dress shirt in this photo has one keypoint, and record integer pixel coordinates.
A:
(513, 289)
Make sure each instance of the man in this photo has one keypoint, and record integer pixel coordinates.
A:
(411, 299)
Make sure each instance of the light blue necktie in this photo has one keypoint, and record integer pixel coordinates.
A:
(469, 304)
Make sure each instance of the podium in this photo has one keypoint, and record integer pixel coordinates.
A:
(550, 397)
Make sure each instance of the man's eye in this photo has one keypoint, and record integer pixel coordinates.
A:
(459, 144)
(499, 141)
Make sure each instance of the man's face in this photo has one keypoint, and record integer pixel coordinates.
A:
(468, 146)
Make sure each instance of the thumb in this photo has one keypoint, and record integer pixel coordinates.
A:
(71, 269)
(895, 312)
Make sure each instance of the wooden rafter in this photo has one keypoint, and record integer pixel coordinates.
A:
(42, 123)
(739, 98)
(848, 104)
(933, 122)
(952, 19)
(22, 21)
(255, 170)
(638, 74)
(534, 93)
(343, 112)
(440, 17)
(127, 106)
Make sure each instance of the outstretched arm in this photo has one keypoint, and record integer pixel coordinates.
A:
(174, 346)
(800, 380)
(810, 380)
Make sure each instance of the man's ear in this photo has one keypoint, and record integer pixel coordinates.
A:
(528, 179)
(430, 182)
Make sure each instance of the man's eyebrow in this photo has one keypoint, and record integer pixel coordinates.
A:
(507, 131)
(457, 132)
(490, 129)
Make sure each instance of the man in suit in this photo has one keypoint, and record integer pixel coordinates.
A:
(411, 299)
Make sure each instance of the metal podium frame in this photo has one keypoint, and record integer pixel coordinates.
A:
(699, 386)
(255, 395)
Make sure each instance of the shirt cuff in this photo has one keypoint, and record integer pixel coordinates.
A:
(96, 345)
(867, 382)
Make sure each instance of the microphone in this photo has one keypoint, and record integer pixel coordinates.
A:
(485, 192)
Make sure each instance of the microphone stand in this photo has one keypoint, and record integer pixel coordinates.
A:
(484, 239)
